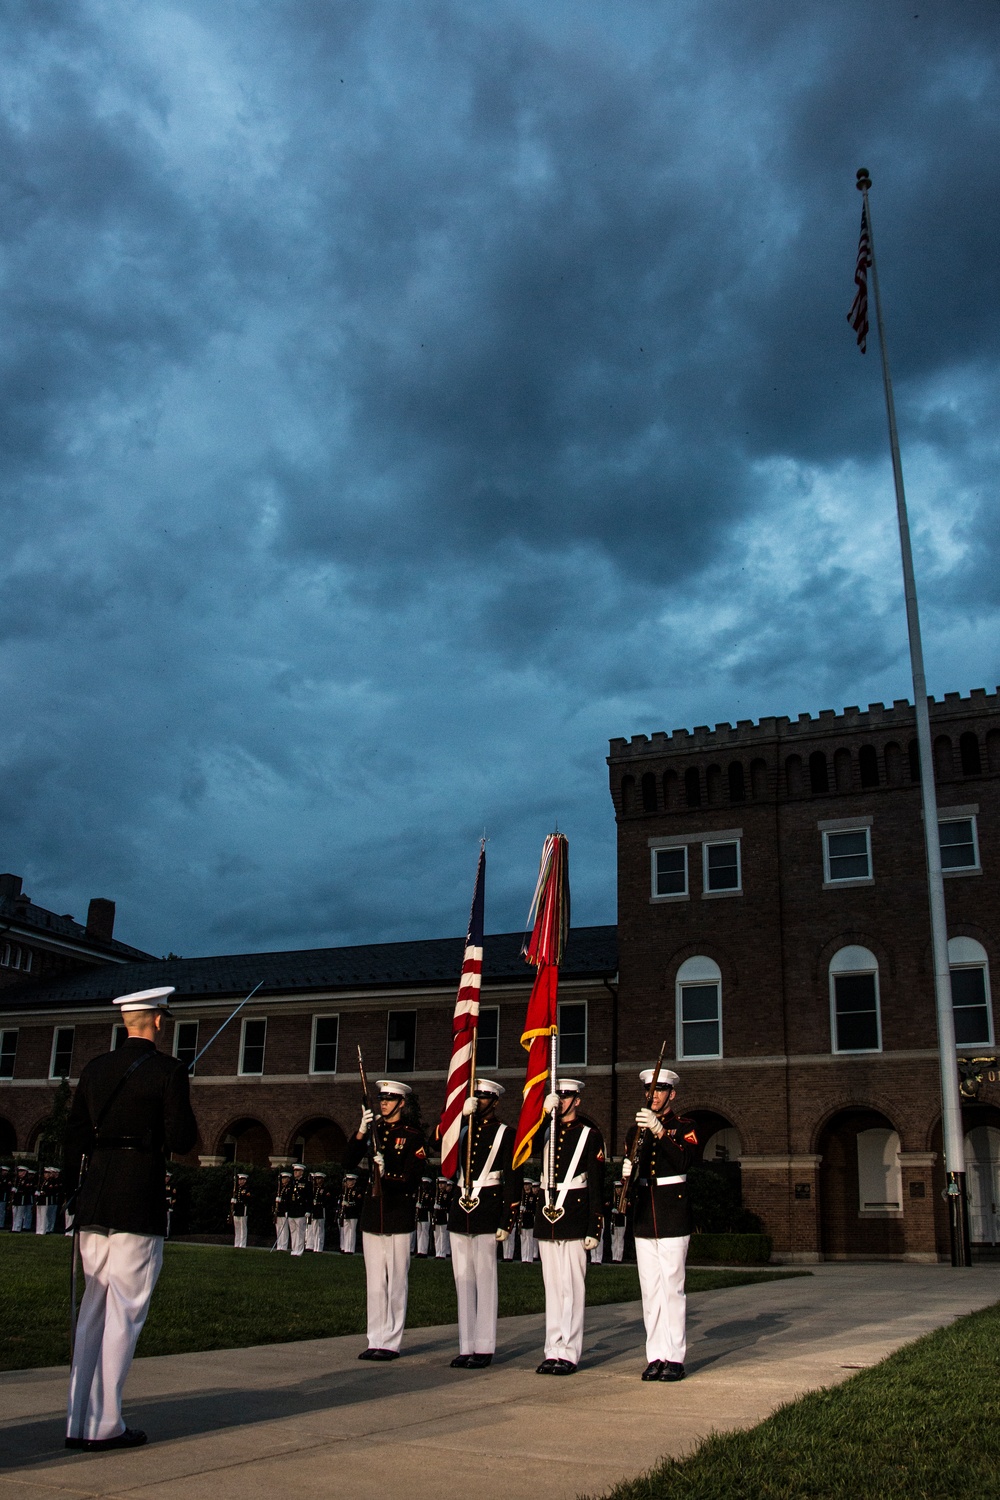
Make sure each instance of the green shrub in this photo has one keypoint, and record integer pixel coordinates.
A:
(730, 1249)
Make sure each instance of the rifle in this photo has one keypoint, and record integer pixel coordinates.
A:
(621, 1205)
(376, 1186)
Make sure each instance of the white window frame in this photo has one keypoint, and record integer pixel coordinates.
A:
(496, 1011)
(323, 1072)
(711, 974)
(53, 1075)
(735, 890)
(118, 1026)
(846, 825)
(191, 1021)
(833, 975)
(397, 1067)
(961, 815)
(683, 895)
(16, 957)
(243, 1034)
(972, 961)
(586, 1034)
(6, 1032)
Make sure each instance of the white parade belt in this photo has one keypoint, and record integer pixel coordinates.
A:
(661, 1181)
(573, 1185)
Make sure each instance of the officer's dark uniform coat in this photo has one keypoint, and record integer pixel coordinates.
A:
(663, 1212)
(583, 1207)
(497, 1205)
(394, 1211)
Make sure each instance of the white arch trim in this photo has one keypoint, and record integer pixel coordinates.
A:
(965, 950)
(854, 960)
(699, 970)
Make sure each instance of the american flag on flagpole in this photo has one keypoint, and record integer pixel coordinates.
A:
(464, 1026)
(858, 315)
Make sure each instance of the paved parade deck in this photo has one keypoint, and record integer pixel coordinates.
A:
(307, 1419)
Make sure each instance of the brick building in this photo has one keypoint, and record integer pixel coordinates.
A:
(773, 923)
(37, 942)
(281, 1083)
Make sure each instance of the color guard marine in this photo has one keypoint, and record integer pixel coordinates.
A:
(397, 1156)
(282, 1205)
(483, 1212)
(316, 1218)
(526, 1220)
(239, 1210)
(664, 1146)
(425, 1203)
(568, 1224)
(444, 1190)
(299, 1208)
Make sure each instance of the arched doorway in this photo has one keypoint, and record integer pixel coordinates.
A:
(246, 1141)
(719, 1149)
(982, 1178)
(860, 1185)
(8, 1138)
(318, 1140)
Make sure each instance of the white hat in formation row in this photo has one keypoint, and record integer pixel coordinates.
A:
(569, 1086)
(145, 1000)
(487, 1086)
(390, 1089)
(667, 1078)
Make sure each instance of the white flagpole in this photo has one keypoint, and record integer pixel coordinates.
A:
(951, 1110)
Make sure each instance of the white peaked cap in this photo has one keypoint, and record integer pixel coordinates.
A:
(666, 1076)
(243, 1174)
(317, 1174)
(569, 1086)
(390, 1086)
(145, 999)
(486, 1086)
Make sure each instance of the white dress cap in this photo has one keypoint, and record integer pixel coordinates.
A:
(569, 1086)
(486, 1086)
(388, 1087)
(317, 1174)
(666, 1076)
(145, 1000)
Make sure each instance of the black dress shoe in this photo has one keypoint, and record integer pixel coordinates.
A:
(671, 1371)
(653, 1370)
(461, 1361)
(547, 1367)
(479, 1361)
(368, 1354)
(563, 1367)
(130, 1438)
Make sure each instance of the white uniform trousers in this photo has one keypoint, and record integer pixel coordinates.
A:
(474, 1264)
(45, 1218)
(281, 1233)
(387, 1274)
(297, 1234)
(664, 1306)
(597, 1254)
(564, 1272)
(527, 1246)
(617, 1242)
(509, 1246)
(423, 1237)
(349, 1236)
(316, 1235)
(121, 1272)
(21, 1218)
(240, 1231)
(442, 1241)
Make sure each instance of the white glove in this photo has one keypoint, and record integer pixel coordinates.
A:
(590, 1243)
(551, 1103)
(502, 1234)
(470, 1105)
(626, 1170)
(648, 1119)
(367, 1116)
(379, 1161)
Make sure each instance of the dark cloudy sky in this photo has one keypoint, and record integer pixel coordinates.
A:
(397, 400)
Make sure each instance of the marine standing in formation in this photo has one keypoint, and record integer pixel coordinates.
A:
(569, 1223)
(484, 1209)
(239, 1209)
(661, 1221)
(48, 1200)
(388, 1214)
(316, 1224)
(526, 1220)
(298, 1208)
(282, 1205)
(347, 1216)
(131, 1108)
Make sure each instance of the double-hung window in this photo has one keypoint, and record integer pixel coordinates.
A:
(8, 1053)
(970, 992)
(854, 1001)
(721, 872)
(488, 1037)
(401, 1041)
(699, 1008)
(186, 1042)
(670, 871)
(252, 1045)
(847, 852)
(572, 1041)
(62, 1052)
(325, 1040)
(959, 844)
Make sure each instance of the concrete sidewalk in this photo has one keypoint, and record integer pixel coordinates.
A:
(304, 1420)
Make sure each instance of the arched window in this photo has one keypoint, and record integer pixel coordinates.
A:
(670, 788)
(699, 1008)
(692, 787)
(970, 992)
(842, 770)
(868, 764)
(713, 782)
(737, 784)
(944, 762)
(893, 764)
(913, 751)
(649, 792)
(758, 778)
(855, 1022)
(628, 795)
(993, 749)
(819, 776)
(968, 752)
(793, 775)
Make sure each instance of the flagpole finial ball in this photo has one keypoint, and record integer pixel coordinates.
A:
(864, 181)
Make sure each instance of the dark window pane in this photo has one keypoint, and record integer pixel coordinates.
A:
(868, 765)
(487, 1043)
(649, 792)
(700, 1038)
(692, 787)
(857, 1012)
(572, 1035)
(119, 1037)
(737, 782)
(848, 855)
(671, 872)
(254, 1036)
(819, 776)
(186, 1044)
(968, 994)
(62, 1054)
(958, 848)
(699, 1002)
(325, 1045)
(968, 749)
(8, 1053)
(723, 867)
(401, 1041)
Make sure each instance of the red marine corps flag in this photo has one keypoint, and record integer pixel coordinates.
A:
(549, 917)
(464, 1026)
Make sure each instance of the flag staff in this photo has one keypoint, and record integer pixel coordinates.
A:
(951, 1111)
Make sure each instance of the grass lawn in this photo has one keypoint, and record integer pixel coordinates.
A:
(219, 1298)
(923, 1424)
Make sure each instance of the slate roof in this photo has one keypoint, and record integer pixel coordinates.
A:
(26, 914)
(591, 953)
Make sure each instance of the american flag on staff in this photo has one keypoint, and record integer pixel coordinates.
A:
(549, 919)
(464, 1026)
(858, 315)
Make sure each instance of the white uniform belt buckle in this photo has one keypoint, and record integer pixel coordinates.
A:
(662, 1181)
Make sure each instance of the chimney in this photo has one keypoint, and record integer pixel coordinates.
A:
(10, 887)
(101, 919)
